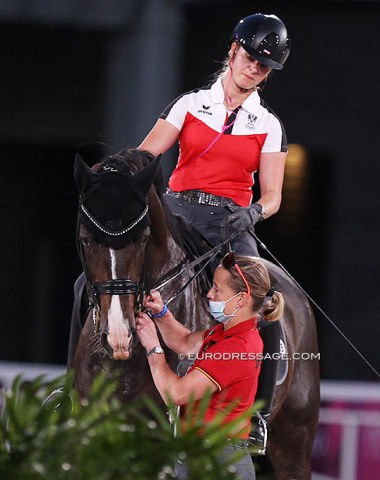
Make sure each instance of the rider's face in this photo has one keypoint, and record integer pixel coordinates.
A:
(220, 290)
(247, 72)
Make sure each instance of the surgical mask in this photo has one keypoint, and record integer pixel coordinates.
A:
(217, 310)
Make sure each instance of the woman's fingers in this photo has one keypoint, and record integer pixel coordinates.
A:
(153, 301)
(142, 320)
(146, 330)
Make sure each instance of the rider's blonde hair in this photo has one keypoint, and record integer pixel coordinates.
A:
(267, 302)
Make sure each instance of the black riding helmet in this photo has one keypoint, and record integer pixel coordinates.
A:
(265, 38)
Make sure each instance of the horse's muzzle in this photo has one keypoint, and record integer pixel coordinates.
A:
(120, 350)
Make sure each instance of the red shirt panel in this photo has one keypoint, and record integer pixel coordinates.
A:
(228, 359)
(226, 169)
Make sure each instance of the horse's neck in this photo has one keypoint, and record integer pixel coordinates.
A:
(165, 253)
(166, 258)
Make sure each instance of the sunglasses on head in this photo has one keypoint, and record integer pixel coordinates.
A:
(229, 262)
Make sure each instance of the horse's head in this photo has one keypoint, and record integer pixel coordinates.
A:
(113, 226)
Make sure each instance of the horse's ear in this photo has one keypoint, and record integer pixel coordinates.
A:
(145, 177)
(84, 177)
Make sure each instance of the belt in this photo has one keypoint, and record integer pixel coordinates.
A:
(202, 198)
(235, 442)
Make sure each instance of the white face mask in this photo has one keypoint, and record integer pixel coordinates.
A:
(217, 310)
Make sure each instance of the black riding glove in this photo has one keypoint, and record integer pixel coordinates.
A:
(243, 218)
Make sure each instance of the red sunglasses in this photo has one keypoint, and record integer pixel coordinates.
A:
(228, 262)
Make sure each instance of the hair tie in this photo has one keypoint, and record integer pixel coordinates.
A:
(270, 293)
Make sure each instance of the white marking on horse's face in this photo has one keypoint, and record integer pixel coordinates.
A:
(119, 335)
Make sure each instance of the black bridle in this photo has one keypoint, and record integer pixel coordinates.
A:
(119, 286)
(125, 286)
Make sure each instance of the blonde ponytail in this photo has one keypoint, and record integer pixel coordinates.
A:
(273, 308)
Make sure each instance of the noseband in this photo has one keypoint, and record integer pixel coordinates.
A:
(120, 286)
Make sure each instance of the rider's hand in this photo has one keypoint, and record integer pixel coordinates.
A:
(146, 331)
(243, 218)
(154, 302)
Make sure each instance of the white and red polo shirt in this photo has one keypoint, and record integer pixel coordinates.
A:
(219, 160)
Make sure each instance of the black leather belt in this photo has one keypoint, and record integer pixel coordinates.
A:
(235, 442)
(202, 198)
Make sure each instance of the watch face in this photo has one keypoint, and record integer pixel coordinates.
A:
(157, 349)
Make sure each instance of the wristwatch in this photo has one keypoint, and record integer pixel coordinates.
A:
(157, 349)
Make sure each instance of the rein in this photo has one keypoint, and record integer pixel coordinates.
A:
(186, 266)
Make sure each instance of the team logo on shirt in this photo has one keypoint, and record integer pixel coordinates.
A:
(251, 121)
(204, 109)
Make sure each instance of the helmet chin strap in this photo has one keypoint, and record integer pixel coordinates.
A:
(245, 90)
(241, 90)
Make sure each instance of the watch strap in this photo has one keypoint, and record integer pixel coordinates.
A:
(156, 349)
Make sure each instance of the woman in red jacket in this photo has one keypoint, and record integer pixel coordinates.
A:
(226, 357)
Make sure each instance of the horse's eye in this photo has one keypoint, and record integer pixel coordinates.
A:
(141, 242)
(86, 242)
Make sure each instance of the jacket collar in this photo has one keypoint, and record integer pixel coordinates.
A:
(218, 333)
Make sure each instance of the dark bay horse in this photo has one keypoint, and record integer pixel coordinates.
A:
(129, 242)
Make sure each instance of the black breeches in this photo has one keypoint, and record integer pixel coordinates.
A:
(207, 221)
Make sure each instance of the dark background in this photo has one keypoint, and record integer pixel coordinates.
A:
(93, 76)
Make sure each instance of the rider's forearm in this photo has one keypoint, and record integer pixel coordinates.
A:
(176, 336)
(271, 179)
(178, 390)
(271, 202)
(165, 380)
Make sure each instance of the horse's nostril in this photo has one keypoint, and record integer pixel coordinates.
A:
(122, 355)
